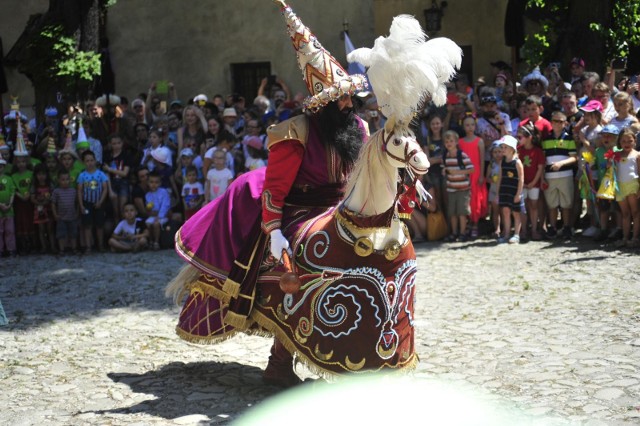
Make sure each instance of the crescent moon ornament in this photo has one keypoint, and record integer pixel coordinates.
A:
(320, 355)
(354, 366)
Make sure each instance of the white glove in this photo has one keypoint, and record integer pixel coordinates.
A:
(278, 243)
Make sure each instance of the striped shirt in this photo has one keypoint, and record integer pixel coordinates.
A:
(556, 150)
(66, 202)
(457, 181)
(92, 185)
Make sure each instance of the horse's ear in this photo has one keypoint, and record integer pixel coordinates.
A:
(389, 125)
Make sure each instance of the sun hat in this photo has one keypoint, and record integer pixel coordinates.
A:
(113, 100)
(535, 75)
(200, 100)
(229, 112)
(161, 154)
(509, 141)
(592, 105)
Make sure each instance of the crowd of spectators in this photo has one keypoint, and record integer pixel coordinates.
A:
(120, 175)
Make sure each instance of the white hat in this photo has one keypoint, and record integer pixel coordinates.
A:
(229, 112)
(186, 152)
(161, 154)
(535, 75)
(2, 161)
(200, 99)
(113, 100)
(137, 101)
(509, 141)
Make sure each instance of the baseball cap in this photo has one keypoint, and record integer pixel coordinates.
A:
(577, 61)
(186, 152)
(610, 129)
(592, 105)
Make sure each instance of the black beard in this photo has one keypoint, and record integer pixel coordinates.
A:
(340, 130)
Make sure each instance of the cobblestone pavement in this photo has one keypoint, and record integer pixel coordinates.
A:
(553, 329)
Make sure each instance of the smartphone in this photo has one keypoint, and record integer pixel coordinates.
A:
(619, 63)
(452, 99)
(555, 65)
(271, 80)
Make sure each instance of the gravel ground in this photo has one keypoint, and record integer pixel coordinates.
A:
(550, 329)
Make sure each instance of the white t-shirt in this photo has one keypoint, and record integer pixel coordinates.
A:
(127, 229)
(218, 182)
(190, 192)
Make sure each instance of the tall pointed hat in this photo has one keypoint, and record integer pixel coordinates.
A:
(325, 78)
(21, 148)
(82, 142)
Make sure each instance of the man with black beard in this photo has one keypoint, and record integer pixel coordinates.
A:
(245, 232)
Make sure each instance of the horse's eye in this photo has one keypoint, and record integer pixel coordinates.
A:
(397, 142)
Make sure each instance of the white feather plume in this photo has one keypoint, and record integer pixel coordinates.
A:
(404, 68)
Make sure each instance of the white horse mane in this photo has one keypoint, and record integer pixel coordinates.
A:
(373, 180)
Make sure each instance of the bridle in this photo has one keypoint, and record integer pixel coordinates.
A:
(407, 154)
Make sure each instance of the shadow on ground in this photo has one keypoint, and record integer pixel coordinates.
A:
(221, 391)
(41, 289)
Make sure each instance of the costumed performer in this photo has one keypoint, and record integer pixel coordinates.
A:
(310, 157)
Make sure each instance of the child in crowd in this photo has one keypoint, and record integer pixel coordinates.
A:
(435, 150)
(23, 208)
(473, 146)
(457, 168)
(158, 204)
(628, 174)
(155, 142)
(588, 130)
(64, 206)
(69, 162)
(607, 208)
(623, 104)
(117, 166)
(510, 187)
(41, 190)
(7, 224)
(532, 159)
(254, 159)
(162, 166)
(493, 175)
(218, 177)
(131, 233)
(534, 113)
(92, 194)
(560, 159)
(192, 193)
(186, 161)
(225, 142)
(53, 167)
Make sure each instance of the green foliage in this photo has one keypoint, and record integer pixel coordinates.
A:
(67, 60)
(624, 31)
(536, 47)
(110, 3)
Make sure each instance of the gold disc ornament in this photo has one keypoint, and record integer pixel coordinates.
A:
(363, 246)
(392, 250)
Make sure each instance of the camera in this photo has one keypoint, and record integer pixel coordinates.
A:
(555, 65)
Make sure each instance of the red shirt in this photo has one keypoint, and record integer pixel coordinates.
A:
(531, 159)
(543, 125)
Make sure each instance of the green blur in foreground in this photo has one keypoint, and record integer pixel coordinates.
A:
(384, 399)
